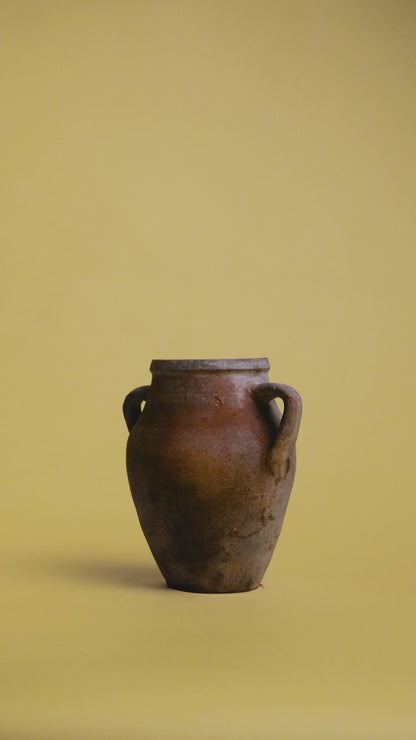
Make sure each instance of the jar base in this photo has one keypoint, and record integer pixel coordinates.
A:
(200, 590)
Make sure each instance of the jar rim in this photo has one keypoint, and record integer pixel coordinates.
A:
(174, 366)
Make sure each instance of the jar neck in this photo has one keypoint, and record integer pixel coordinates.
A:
(198, 387)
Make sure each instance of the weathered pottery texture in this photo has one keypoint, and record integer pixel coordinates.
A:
(211, 463)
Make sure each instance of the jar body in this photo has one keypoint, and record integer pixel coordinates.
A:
(209, 504)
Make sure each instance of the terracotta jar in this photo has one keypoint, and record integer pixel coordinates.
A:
(211, 464)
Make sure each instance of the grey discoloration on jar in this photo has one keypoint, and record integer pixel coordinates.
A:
(211, 464)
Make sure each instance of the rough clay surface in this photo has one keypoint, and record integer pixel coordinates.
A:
(211, 465)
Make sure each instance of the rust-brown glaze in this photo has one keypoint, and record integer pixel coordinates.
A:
(211, 464)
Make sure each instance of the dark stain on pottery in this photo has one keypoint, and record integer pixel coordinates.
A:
(211, 463)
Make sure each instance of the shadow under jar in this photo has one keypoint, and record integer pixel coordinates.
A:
(211, 463)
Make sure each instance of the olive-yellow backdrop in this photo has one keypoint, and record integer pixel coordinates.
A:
(207, 178)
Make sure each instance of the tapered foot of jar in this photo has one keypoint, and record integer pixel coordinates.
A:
(206, 590)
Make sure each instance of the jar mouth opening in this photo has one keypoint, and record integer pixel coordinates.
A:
(176, 366)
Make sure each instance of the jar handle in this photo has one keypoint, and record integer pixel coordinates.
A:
(132, 406)
(278, 456)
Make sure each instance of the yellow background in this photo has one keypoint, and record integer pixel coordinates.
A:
(207, 178)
